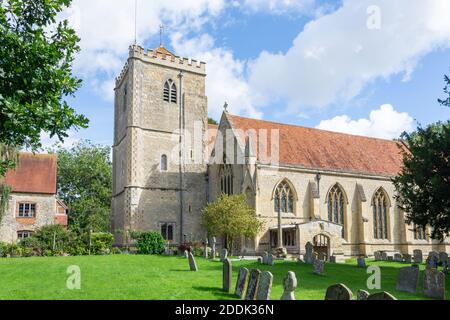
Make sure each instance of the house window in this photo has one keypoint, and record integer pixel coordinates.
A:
(226, 179)
(27, 210)
(380, 213)
(163, 162)
(170, 91)
(336, 206)
(24, 234)
(167, 231)
(419, 233)
(284, 198)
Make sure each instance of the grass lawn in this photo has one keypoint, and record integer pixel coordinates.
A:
(161, 277)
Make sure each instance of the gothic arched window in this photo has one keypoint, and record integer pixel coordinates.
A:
(163, 162)
(336, 206)
(380, 204)
(226, 179)
(419, 232)
(284, 198)
(170, 91)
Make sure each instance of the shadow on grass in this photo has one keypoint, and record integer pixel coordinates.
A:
(214, 291)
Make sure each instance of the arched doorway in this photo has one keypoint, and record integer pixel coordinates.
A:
(321, 247)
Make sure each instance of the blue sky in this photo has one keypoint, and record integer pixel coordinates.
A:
(337, 65)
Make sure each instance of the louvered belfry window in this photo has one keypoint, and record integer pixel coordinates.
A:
(170, 91)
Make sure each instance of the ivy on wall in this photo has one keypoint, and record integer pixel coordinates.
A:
(5, 191)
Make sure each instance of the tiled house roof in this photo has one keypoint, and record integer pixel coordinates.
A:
(320, 149)
(35, 173)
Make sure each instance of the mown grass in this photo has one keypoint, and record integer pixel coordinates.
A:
(165, 278)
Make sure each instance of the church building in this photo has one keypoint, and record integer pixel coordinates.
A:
(331, 189)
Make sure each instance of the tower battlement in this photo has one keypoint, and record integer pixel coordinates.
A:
(165, 59)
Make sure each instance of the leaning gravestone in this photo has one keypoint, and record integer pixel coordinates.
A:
(407, 279)
(338, 292)
(432, 260)
(407, 258)
(192, 263)
(362, 295)
(264, 286)
(289, 284)
(186, 254)
(417, 256)
(381, 296)
(398, 257)
(253, 283)
(241, 282)
(434, 284)
(226, 275)
(443, 256)
(223, 255)
(319, 265)
(309, 255)
(361, 262)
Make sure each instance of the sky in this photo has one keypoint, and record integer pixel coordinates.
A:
(366, 67)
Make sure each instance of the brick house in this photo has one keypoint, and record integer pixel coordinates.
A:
(33, 202)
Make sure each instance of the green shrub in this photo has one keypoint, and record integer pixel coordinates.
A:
(150, 242)
(101, 243)
(14, 250)
(3, 249)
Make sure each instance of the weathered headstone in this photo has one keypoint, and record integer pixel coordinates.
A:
(192, 263)
(417, 256)
(434, 284)
(253, 283)
(213, 248)
(319, 265)
(265, 257)
(309, 255)
(362, 295)
(226, 275)
(270, 259)
(377, 255)
(223, 254)
(338, 292)
(264, 286)
(361, 262)
(443, 256)
(186, 254)
(333, 259)
(407, 258)
(289, 284)
(205, 252)
(381, 296)
(384, 256)
(432, 260)
(241, 282)
(398, 257)
(260, 259)
(407, 279)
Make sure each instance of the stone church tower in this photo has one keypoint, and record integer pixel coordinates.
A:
(159, 170)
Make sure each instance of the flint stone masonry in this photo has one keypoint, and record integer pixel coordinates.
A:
(338, 292)
(407, 279)
(241, 282)
(264, 286)
(289, 285)
(253, 283)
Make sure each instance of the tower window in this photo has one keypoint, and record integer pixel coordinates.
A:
(163, 162)
(125, 92)
(170, 91)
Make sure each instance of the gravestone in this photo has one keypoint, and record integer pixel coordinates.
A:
(270, 259)
(362, 295)
(338, 292)
(241, 282)
(289, 284)
(333, 259)
(264, 286)
(361, 262)
(417, 256)
(384, 256)
(265, 257)
(260, 259)
(192, 263)
(377, 255)
(381, 296)
(434, 284)
(446, 269)
(213, 248)
(253, 283)
(309, 255)
(205, 253)
(432, 260)
(407, 258)
(227, 275)
(443, 256)
(319, 265)
(398, 257)
(223, 254)
(186, 254)
(407, 279)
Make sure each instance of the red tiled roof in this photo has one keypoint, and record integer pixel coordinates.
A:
(33, 174)
(320, 149)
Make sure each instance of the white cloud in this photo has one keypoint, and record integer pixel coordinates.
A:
(278, 6)
(50, 143)
(384, 123)
(225, 80)
(336, 55)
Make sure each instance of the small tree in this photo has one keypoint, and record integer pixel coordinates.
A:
(423, 186)
(230, 217)
(446, 100)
